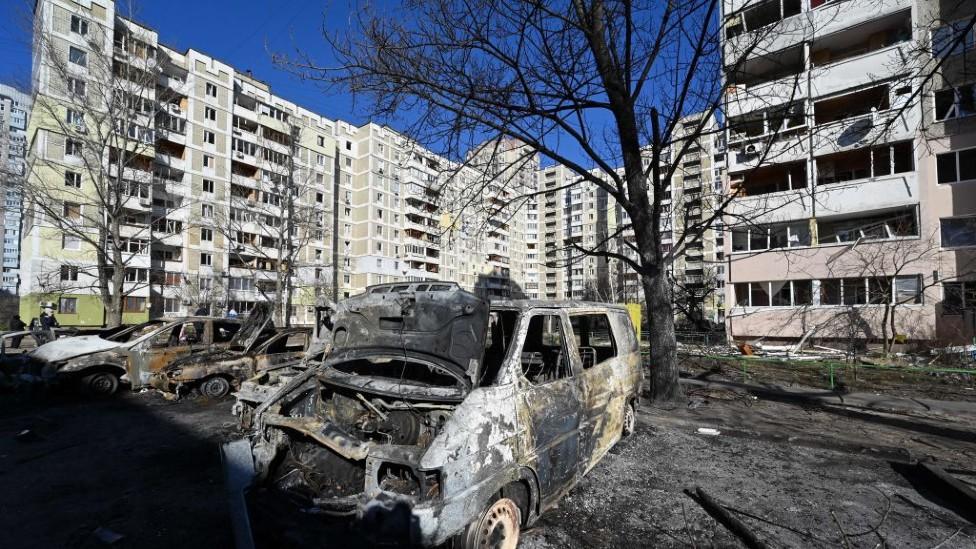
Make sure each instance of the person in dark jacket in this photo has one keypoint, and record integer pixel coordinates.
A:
(16, 325)
(46, 325)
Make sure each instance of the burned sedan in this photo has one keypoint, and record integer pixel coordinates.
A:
(100, 364)
(215, 373)
(435, 418)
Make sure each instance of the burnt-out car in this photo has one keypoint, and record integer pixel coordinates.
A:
(101, 363)
(437, 418)
(215, 373)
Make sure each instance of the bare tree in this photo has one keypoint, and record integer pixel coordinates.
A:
(594, 86)
(269, 226)
(92, 184)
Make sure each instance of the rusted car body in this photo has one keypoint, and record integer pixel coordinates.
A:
(216, 372)
(435, 418)
(130, 355)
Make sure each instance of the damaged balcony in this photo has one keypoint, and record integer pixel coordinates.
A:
(771, 193)
(875, 51)
(864, 117)
(771, 135)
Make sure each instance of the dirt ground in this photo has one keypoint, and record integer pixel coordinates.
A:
(148, 469)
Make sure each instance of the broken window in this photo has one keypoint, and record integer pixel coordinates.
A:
(953, 38)
(955, 102)
(830, 292)
(594, 338)
(958, 296)
(764, 237)
(771, 179)
(855, 41)
(853, 104)
(544, 357)
(898, 223)
(501, 328)
(760, 15)
(854, 291)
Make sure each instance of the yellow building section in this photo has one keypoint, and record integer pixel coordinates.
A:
(74, 309)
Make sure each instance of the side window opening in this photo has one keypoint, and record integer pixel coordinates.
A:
(501, 328)
(544, 356)
(594, 338)
(224, 331)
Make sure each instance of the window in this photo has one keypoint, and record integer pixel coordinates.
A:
(136, 275)
(543, 352)
(208, 185)
(172, 305)
(79, 25)
(594, 339)
(958, 296)
(956, 166)
(206, 235)
(210, 113)
(206, 259)
(908, 289)
(72, 147)
(72, 179)
(211, 90)
(955, 102)
(953, 38)
(895, 224)
(134, 305)
(321, 141)
(70, 242)
(75, 118)
(207, 211)
(208, 161)
(68, 305)
(958, 231)
(70, 210)
(76, 87)
(69, 272)
(77, 56)
(209, 137)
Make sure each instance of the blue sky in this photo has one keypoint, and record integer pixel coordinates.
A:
(245, 34)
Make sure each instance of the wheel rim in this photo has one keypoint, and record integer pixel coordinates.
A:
(499, 529)
(216, 387)
(102, 384)
(629, 419)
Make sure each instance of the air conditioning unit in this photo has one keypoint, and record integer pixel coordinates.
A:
(145, 202)
(239, 155)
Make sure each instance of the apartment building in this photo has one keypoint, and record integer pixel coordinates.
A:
(224, 160)
(236, 185)
(14, 112)
(839, 200)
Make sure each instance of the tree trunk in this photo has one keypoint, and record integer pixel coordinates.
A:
(663, 368)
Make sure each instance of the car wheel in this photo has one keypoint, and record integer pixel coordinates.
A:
(630, 419)
(498, 528)
(100, 383)
(215, 387)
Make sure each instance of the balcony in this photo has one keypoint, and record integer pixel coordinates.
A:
(866, 129)
(863, 195)
(178, 85)
(780, 33)
(172, 162)
(875, 66)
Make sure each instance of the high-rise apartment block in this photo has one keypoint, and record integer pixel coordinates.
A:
(14, 110)
(849, 165)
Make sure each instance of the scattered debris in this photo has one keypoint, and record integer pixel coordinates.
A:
(27, 435)
(949, 487)
(722, 515)
(708, 431)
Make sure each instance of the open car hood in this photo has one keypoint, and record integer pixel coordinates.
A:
(448, 325)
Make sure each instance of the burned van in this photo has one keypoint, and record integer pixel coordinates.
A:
(437, 418)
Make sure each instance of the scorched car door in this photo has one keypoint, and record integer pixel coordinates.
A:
(550, 400)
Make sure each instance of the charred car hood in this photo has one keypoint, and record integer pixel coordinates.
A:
(448, 326)
(71, 347)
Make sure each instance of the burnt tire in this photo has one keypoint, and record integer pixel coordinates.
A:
(630, 419)
(100, 384)
(498, 527)
(215, 387)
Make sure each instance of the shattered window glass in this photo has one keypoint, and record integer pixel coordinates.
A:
(594, 338)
